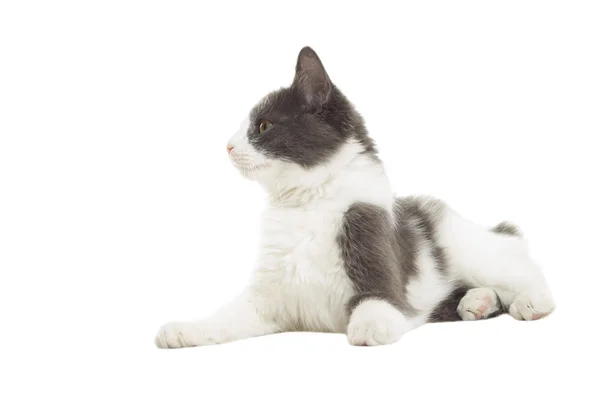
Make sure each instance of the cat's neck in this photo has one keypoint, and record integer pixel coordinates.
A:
(350, 176)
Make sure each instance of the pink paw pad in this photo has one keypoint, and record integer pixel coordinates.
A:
(478, 303)
(483, 308)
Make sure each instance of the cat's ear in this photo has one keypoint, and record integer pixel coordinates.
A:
(311, 80)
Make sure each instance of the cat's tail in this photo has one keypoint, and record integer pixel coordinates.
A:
(507, 228)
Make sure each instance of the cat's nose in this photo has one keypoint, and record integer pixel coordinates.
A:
(229, 148)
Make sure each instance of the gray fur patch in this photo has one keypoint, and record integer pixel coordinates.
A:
(506, 228)
(311, 119)
(423, 213)
(380, 253)
(374, 262)
(447, 310)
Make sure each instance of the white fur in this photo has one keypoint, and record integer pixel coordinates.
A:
(234, 321)
(532, 305)
(243, 156)
(300, 270)
(486, 259)
(478, 303)
(425, 292)
(376, 322)
(300, 283)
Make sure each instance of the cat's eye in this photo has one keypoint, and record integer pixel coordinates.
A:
(264, 125)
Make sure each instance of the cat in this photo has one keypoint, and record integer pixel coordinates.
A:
(339, 252)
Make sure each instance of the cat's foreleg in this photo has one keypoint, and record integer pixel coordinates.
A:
(240, 319)
(375, 315)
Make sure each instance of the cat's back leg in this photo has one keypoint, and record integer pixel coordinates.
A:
(497, 259)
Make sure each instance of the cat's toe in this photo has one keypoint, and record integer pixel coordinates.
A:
(177, 335)
(375, 322)
(531, 307)
(375, 332)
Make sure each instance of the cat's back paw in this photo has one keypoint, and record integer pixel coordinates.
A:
(529, 307)
(478, 303)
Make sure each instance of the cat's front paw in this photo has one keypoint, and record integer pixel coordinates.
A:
(376, 322)
(180, 335)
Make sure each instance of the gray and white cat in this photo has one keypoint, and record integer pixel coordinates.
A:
(339, 252)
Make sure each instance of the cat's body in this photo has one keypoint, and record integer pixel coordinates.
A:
(339, 252)
(300, 257)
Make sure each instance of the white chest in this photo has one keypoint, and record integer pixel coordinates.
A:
(300, 270)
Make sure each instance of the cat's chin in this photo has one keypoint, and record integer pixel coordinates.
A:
(253, 172)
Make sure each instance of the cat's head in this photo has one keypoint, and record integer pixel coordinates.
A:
(305, 128)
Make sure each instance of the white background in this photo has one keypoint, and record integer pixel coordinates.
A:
(120, 210)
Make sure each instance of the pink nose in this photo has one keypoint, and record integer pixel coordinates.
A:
(229, 148)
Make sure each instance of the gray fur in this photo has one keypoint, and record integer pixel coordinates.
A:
(380, 249)
(507, 228)
(423, 213)
(447, 310)
(311, 119)
(374, 262)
